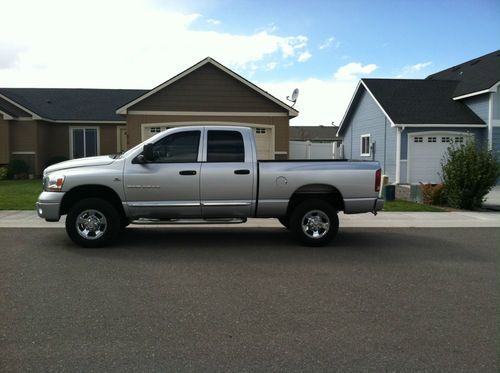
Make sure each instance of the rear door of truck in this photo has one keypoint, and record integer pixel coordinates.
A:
(228, 174)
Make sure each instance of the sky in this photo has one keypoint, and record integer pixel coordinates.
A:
(320, 47)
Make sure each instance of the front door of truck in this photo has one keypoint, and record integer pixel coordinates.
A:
(227, 176)
(169, 185)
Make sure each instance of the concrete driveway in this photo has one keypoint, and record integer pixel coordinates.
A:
(493, 199)
(249, 299)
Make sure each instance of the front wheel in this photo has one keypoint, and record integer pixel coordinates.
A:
(92, 222)
(314, 222)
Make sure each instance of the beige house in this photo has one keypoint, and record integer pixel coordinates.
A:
(37, 124)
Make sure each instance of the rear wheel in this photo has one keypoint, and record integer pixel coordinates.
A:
(314, 222)
(92, 222)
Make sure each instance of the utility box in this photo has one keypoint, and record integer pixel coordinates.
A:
(389, 192)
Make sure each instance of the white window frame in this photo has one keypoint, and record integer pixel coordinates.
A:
(362, 137)
(71, 128)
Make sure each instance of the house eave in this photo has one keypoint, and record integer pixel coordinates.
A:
(493, 88)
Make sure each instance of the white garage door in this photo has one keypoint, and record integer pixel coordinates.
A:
(425, 153)
(264, 140)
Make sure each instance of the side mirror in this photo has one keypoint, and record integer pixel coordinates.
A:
(147, 152)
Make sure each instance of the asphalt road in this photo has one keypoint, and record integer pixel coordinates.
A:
(248, 299)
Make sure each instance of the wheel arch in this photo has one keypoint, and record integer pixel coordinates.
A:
(326, 192)
(91, 191)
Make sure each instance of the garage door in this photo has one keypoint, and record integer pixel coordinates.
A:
(264, 140)
(426, 152)
(148, 132)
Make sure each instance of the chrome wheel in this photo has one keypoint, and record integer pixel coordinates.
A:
(91, 224)
(315, 224)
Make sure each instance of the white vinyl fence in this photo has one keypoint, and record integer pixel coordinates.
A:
(314, 150)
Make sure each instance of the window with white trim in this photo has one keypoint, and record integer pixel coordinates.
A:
(155, 130)
(418, 139)
(84, 142)
(365, 145)
(260, 130)
(445, 139)
(459, 140)
(431, 139)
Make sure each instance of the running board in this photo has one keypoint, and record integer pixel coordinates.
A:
(188, 221)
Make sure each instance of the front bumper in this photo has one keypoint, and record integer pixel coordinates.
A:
(48, 206)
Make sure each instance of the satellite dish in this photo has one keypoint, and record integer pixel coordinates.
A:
(295, 95)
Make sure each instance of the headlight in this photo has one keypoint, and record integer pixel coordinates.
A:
(53, 183)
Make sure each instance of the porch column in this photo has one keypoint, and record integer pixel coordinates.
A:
(398, 154)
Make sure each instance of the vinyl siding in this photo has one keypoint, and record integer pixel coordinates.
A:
(367, 118)
(208, 89)
(4, 141)
(496, 105)
(479, 105)
(496, 140)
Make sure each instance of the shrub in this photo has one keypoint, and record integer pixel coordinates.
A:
(433, 194)
(469, 173)
(3, 173)
(54, 160)
(16, 168)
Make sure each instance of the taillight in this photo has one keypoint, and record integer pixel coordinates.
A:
(378, 178)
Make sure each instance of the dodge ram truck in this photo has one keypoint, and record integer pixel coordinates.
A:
(204, 174)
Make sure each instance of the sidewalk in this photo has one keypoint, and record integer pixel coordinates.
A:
(462, 219)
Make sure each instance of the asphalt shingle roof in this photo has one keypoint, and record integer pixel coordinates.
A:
(73, 104)
(473, 76)
(418, 101)
(11, 109)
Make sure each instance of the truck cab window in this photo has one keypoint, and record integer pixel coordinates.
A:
(179, 147)
(225, 146)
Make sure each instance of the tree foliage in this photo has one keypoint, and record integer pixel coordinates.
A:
(469, 172)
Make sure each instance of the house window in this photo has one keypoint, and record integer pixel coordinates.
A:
(260, 130)
(418, 139)
(365, 144)
(445, 139)
(459, 140)
(431, 139)
(84, 142)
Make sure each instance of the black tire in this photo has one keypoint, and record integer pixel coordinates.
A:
(101, 222)
(284, 222)
(323, 222)
(124, 223)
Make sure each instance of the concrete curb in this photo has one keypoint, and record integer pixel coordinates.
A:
(461, 219)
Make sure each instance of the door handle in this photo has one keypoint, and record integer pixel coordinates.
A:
(187, 172)
(241, 172)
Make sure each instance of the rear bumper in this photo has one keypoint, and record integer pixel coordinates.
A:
(379, 205)
(48, 206)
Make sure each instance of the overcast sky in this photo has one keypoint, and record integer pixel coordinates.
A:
(320, 47)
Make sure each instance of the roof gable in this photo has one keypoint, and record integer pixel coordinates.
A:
(474, 76)
(211, 87)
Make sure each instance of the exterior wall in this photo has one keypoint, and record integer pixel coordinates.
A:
(208, 89)
(369, 119)
(496, 140)
(479, 105)
(496, 105)
(23, 136)
(280, 123)
(4, 141)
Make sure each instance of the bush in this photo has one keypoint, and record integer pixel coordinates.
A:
(469, 173)
(3, 173)
(433, 194)
(16, 168)
(54, 160)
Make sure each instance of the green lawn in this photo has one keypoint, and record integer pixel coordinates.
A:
(19, 194)
(402, 206)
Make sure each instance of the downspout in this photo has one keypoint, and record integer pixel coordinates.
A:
(490, 122)
(398, 154)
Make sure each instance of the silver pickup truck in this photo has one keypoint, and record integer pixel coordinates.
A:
(205, 174)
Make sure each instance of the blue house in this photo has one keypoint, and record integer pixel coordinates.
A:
(408, 124)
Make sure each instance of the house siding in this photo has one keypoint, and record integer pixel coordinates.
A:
(367, 118)
(496, 141)
(208, 88)
(479, 105)
(4, 141)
